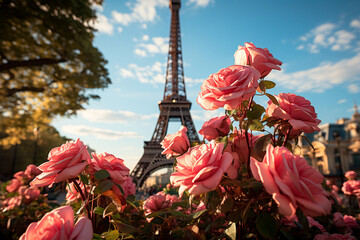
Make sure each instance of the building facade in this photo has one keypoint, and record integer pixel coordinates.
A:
(337, 146)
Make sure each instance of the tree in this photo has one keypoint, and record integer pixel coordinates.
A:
(47, 63)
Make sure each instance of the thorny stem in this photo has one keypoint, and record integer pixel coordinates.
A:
(78, 188)
(247, 140)
(287, 136)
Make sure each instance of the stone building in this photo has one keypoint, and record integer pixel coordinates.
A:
(337, 146)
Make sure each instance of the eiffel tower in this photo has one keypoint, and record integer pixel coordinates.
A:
(173, 107)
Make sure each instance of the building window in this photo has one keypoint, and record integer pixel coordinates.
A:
(356, 161)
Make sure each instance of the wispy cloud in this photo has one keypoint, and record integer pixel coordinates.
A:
(354, 88)
(322, 77)
(83, 130)
(328, 35)
(355, 23)
(156, 45)
(341, 101)
(200, 3)
(203, 115)
(110, 116)
(141, 11)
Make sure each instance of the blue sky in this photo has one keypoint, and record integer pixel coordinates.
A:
(317, 41)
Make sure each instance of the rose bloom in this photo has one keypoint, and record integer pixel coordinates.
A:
(65, 162)
(32, 171)
(296, 110)
(291, 182)
(14, 185)
(228, 88)
(216, 127)
(31, 194)
(338, 220)
(10, 203)
(129, 187)
(155, 203)
(175, 144)
(351, 175)
(351, 222)
(20, 175)
(115, 166)
(335, 236)
(59, 225)
(200, 169)
(259, 58)
(351, 187)
(239, 149)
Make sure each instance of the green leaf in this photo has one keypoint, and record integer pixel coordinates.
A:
(273, 99)
(256, 125)
(266, 225)
(255, 112)
(269, 84)
(125, 228)
(110, 210)
(113, 235)
(101, 174)
(224, 140)
(84, 179)
(120, 188)
(198, 214)
(103, 186)
(178, 214)
(96, 236)
(262, 86)
(231, 231)
(99, 211)
(231, 112)
(155, 214)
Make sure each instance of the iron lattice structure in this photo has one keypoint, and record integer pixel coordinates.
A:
(173, 107)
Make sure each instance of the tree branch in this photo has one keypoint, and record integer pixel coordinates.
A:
(10, 92)
(29, 63)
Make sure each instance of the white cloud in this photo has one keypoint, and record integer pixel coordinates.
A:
(110, 116)
(83, 130)
(142, 11)
(200, 3)
(157, 45)
(355, 23)
(203, 115)
(326, 36)
(120, 29)
(154, 74)
(354, 88)
(103, 25)
(322, 77)
(193, 81)
(342, 101)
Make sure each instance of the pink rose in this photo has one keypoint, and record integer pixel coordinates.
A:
(65, 162)
(259, 58)
(291, 182)
(216, 127)
(239, 149)
(59, 224)
(336, 236)
(20, 175)
(351, 222)
(10, 203)
(115, 166)
(338, 220)
(31, 194)
(155, 203)
(296, 110)
(228, 87)
(351, 187)
(201, 168)
(129, 187)
(32, 171)
(351, 175)
(175, 144)
(14, 185)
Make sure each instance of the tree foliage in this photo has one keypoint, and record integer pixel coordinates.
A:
(47, 63)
